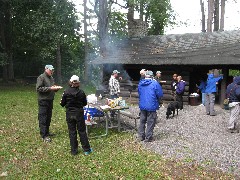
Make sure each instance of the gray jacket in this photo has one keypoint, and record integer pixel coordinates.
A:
(44, 82)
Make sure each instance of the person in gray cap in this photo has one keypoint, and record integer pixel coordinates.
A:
(46, 91)
(149, 91)
(114, 86)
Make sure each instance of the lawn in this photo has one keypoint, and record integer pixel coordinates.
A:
(23, 155)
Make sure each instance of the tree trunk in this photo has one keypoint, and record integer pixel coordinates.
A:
(103, 26)
(210, 15)
(6, 40)
(203, 16)
(141, 10)
(86, 47)
(216, 15)
(3, 49)
(222, 15)
(59, 62)
(130, 13)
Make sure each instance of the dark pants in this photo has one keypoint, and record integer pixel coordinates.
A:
(149, 118)
(76, 123)
(44, 116)
(179, 98)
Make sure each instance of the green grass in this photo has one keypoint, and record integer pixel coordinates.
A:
(23, 155)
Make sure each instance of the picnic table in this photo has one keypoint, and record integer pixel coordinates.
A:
(103, 113)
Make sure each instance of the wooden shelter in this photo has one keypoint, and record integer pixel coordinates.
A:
(190, 55)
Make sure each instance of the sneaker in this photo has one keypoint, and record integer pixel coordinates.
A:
(47, 139)
(208, 113)
(88, 152)
(213, 114)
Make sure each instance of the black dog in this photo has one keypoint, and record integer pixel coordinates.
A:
(172, 106)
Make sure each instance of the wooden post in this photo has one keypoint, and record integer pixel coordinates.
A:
(223, 86)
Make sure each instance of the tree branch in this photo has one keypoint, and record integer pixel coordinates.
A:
(115, 2)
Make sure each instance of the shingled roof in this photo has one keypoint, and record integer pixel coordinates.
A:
(215, 48)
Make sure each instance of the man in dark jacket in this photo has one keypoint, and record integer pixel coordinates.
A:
(174, 86)
(211, 89)
(74, 99)
(46, 90)
(233, 94)
(149, 91)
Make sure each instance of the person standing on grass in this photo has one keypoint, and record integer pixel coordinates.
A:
(46, 91)
(180, 91)
(211, 89)
(74, 99)
(149, 91)
(233, 94)
(114, 86)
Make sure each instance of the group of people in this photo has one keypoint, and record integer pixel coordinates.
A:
(73, 99)
(208, 89)
(150, 95)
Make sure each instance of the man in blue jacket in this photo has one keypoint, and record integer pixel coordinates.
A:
(211, 89)
(149, 91)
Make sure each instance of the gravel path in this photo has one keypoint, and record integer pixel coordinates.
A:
(193, 136)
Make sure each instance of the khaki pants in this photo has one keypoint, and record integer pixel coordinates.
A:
(210, 101)
(234, 116)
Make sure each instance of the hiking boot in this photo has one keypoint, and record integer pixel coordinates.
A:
(88, 152)
(148, 140)
(50, 134)
(47, 139)
(74, 153)
(233, 130)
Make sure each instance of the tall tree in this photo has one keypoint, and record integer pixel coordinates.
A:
(222, 15)
(210, 15)
(203, 16)
(6, 39)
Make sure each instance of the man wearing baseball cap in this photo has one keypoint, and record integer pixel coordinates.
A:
(114, 86)
(149, 91)
(46, 91)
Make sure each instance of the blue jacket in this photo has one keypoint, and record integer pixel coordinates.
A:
(149, 91)
(180, 87)
(211, 83)
(233, 90)
(202, 86)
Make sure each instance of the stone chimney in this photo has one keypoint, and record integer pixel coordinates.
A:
(137, 28)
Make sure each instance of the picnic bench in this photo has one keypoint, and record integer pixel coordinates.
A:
(130, 116)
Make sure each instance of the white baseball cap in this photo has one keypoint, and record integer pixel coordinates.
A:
(74, 78)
